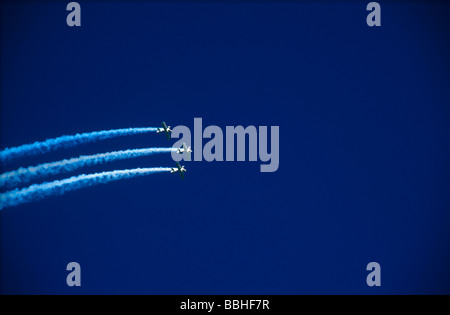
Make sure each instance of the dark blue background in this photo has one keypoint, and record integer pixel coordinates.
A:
(364, 148)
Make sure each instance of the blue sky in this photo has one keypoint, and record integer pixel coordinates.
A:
(363, 116)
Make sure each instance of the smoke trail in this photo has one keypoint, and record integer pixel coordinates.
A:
(26, 175)
(40, 191)
(67, 142)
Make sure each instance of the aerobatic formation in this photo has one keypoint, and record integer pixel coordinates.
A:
(14, 180)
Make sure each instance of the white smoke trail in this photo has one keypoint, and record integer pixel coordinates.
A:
(40, 191)
(28, 174)
(67, 142)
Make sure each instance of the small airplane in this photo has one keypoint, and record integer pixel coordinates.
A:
(180, 169)
(184, 148)
(165, 129)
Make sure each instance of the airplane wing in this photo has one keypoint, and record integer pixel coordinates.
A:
(180, 170)
(187, 150)
(166, 130)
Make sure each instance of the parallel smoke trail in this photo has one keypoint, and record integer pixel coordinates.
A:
(40, 191)
(67, 142)
(26, 175)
